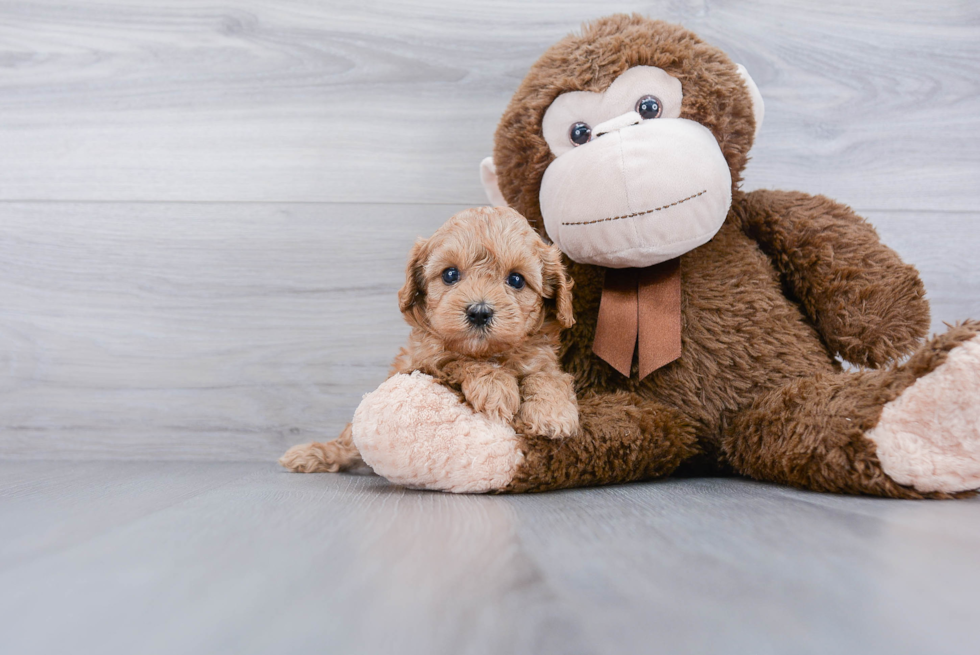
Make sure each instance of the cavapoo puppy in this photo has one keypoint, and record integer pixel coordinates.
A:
(486, 298)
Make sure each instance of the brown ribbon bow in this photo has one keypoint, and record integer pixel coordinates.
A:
(640, 306)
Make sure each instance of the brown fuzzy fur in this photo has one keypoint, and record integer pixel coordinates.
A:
(508, 370)
(809, 430)
(714, 96)
(788, 283)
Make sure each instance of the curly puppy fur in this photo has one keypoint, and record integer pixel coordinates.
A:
(506, 368)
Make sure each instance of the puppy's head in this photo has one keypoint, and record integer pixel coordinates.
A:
(484, 282)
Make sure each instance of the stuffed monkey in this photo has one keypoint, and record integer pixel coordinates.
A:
(708, 320)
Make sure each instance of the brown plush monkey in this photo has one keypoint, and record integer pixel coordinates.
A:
(708, 319)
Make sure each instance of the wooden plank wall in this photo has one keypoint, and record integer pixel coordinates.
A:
(205, 207)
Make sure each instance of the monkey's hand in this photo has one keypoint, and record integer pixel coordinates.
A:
(869, 306)
(414, 431)
(549, 408)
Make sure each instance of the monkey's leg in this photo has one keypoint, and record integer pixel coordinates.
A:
(337, 455)
(911, 431)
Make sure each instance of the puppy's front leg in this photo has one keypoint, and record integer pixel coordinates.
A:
(549, 408)
(490, 390)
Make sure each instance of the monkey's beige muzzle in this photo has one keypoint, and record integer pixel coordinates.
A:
(637, 195)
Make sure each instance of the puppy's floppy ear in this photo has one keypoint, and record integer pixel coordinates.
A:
(557, 284)
(411, 297)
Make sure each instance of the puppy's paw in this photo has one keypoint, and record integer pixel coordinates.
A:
(494, 393)
(550, 408)
(316, 457)
(554, 418)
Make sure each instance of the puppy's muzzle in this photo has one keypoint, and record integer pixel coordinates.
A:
(479, 314)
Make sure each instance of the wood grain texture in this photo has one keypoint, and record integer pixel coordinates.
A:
(293, 100)
(230, 332)
(245, 558)
(48, 507)
(276, 562)
(217, 331)
(205, 210)
(284, 155)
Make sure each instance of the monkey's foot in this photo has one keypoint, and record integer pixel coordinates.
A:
(416, 433)
(929, 437)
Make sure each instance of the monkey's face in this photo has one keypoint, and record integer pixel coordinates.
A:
(632, 183)
(624, 143)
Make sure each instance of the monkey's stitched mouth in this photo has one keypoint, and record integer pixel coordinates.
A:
(635, 214)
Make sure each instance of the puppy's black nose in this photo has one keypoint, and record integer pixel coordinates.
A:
(479, 314)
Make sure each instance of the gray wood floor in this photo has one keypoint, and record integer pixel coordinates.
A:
(182, 557)
(205, 210)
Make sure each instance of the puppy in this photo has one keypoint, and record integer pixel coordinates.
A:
(486, 299)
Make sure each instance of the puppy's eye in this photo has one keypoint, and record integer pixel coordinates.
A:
(649, 107)
(579, 134)
(450, 275)
(516, 280)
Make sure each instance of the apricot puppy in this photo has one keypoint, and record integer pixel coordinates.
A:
(486, 299)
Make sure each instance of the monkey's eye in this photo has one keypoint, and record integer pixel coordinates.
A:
(516, 280)
(450, 275)
(649, 107)
(579, 134)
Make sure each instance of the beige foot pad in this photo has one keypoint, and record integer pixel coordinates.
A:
(929, 437)
(416, 433)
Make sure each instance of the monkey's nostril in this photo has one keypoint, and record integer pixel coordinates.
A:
(626, 120)
(479, 314)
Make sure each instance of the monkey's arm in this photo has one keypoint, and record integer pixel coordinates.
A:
(869, 306)
(621, 438)
(415, 432)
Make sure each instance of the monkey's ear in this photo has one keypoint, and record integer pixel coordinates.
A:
(557, 280)
(411, 297)
(488, 175)
(758, 107)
